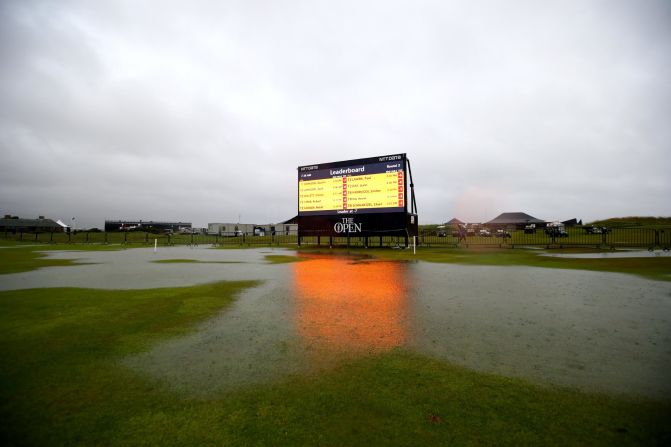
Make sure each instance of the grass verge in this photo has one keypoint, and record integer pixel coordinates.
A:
(61, 383)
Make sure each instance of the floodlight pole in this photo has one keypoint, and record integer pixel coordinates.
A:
(413, 202)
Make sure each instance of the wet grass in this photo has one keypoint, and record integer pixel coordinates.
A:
(19, 257)
(657, 268)
(62, 383)
(283, 259)
(15, 260)
(191, 261)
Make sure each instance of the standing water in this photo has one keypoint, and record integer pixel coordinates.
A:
(596, 331)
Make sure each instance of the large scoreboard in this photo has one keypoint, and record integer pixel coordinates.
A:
(356, 186)
(368, 196)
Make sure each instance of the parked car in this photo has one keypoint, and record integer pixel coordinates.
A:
(556, 232)
(530, 229)
(596, 230)
(485, 233)
(440, 231)
(503, 234)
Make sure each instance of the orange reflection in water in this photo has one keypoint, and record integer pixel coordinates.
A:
(349, 306)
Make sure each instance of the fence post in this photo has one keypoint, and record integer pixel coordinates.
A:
(105, 237)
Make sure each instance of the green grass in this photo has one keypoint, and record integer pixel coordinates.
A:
(658, 268)
(59, 379)
(634, 221)
(61, 383)
(14, 260)
(17, 257)
(283, 259)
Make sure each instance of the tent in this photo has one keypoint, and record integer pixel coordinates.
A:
(518, 220)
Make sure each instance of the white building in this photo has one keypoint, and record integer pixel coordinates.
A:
(238, 229)
(230, 229)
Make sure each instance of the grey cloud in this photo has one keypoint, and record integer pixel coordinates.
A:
(158, 110)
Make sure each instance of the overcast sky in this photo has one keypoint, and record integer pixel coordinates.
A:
(201, 111)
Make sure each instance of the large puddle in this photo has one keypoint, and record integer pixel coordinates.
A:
(595, 331)
(613, 254)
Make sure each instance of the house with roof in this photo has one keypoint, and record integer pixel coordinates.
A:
(13, 224)
(454, 221)
(517, 220)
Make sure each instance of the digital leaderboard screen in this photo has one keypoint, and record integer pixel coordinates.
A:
(368, 185)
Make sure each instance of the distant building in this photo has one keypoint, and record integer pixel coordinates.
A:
(283, 229)
(238, 229)
(230, 229)
(454, 221)
(14, 224)
(146, 225)
(514, 220)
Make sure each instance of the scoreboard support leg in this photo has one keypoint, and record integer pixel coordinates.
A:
(319, 240)
(365, 241)
(330, 241)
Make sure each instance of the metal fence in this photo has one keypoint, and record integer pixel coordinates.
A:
(146, 238)
(572, 237)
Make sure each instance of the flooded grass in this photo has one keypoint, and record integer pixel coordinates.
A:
(18, 257)
(651, 267)
(62, 382)
(335, 350)
(25, 259)
(191, 261)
